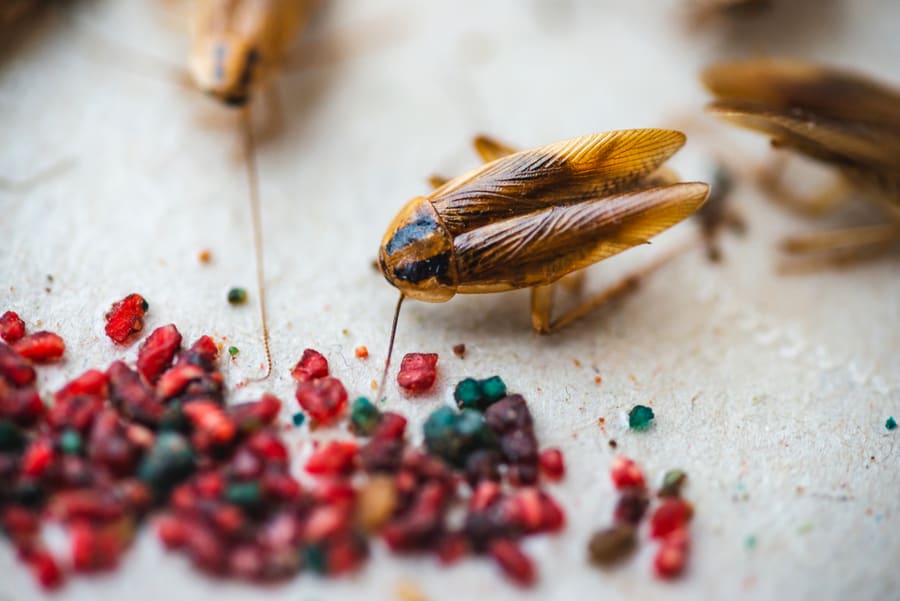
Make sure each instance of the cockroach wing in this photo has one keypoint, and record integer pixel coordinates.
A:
(838, 141)
(542, 247)
(563, 173)
(790, 84)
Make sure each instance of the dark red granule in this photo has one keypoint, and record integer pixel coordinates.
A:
(333, 458)
(20, 405)
(513, 561)
(11, 327)
(625, 473)
(269, 447)
(324, 399)
(381, 455)
(37, 458)
(14, 368)
(45, 569)
(19, 523)
(76, 413)
(157, 351)
(552, 465)
(41, 347)
(459, 350)
(89, 505)
(204, 353)
(93, 549)
(327, 521)
(483, 464)
(333, 491)
(312, 365)
(92, 382)
(131, 396)
(485, 494)
(671, 556)
(109, 447)
(251, 417)
(418, 371)
(392, 426)
(631, 507)
(672, 514)
(126, 317)
(452, 547)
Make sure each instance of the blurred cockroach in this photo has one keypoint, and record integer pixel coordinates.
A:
(840, 118)
(702, 12)
(527, 219)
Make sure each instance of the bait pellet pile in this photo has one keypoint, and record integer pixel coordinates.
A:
(157, 441)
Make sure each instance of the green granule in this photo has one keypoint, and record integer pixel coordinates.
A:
(243, 494)
(298, 418)
(364, 416)
(479, 394)
(891, 423)
(169, 461)
(233, 351)
(640, 417)
(237, 296)
(70, 442)
(454, 435)
(672, 483)
(750, 542)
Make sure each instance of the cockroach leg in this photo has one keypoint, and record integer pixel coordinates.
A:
(274, 121)
(436, 181)
(574, 282)
(541, 307)
(491, 149)
(811, 252)
(771, 180)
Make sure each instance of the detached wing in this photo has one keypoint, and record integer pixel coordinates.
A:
(564, 173)
(541, 247)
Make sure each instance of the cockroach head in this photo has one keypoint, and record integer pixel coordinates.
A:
(416, 254)
(225, 68)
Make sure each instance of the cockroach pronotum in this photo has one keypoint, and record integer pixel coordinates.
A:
(527, 219)
(843, 119)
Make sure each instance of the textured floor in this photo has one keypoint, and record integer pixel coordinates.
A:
(770, 391)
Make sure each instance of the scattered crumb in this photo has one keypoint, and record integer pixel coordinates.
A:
(612, 443)
(204, 256)
(361, 352)
(460, 351)
(576, 362)
(891, 423)
(237, 296)
(345, 332)
(233, 351)
(373, 384)
(598, 380)
(750, 542)
(639, 417)
(406, 590)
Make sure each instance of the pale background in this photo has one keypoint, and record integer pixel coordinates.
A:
(771, 392)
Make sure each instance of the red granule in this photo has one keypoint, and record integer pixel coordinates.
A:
(37, 458)
(418, 372)
(93, 549)
(672, 555)
(626, 474)
(157, 351)
(45, 568)
(333, 458)
(126, 317)
(552, 464)
(20, 405)
(176, 379)
(312, 365)
(361, 352)
(212, 425)
(92, 382)
(41, 347)
(672, 514)
(12, 328)
(513, 561)
(324, 399)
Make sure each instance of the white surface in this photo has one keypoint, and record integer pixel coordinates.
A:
(763, 385)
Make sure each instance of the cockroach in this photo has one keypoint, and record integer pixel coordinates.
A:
(704, 11)
(845, 120)
(527, 219)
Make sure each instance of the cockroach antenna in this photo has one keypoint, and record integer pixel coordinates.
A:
(256, 219)
(387, 361)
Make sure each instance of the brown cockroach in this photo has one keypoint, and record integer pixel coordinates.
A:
(528, 219)
(842, 119)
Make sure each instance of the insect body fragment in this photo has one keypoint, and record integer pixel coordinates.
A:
(527, 219)
(839, 118)
(239, 44)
